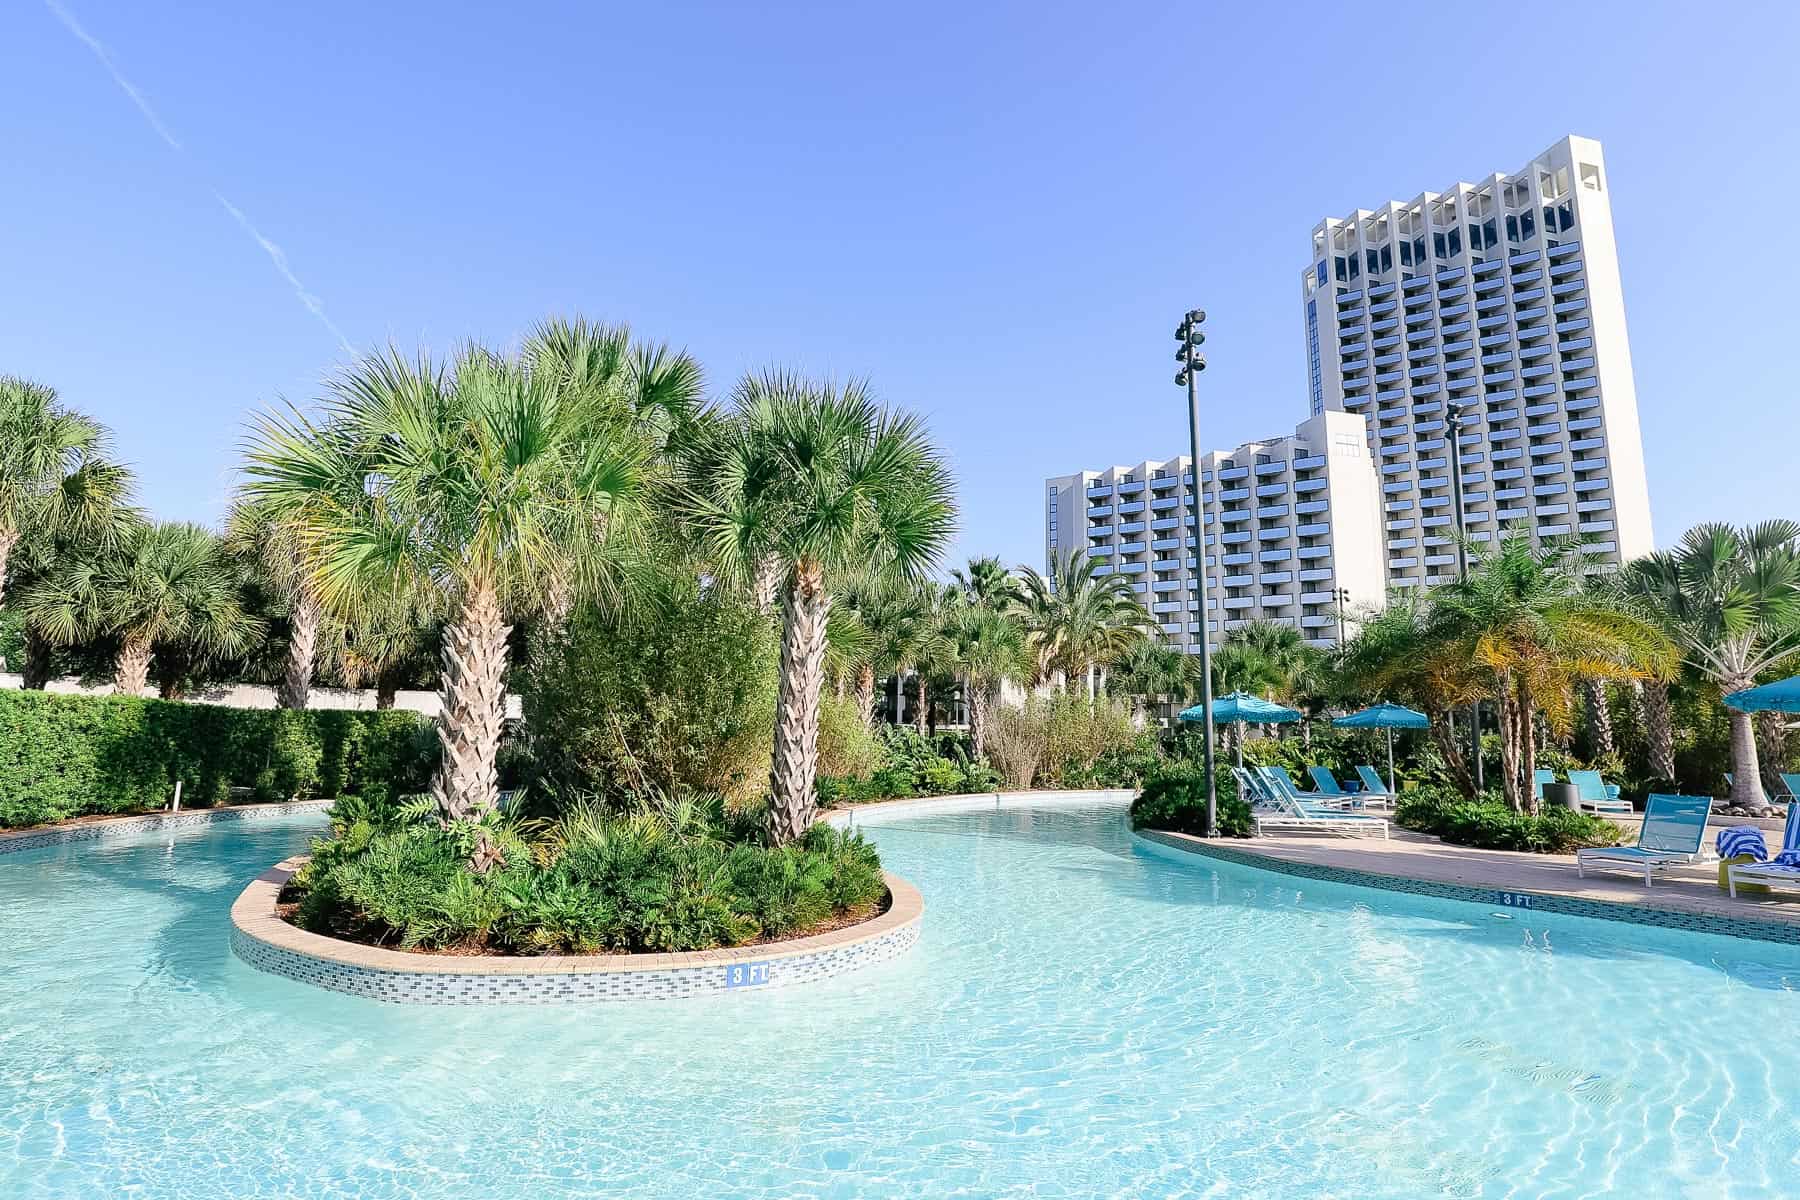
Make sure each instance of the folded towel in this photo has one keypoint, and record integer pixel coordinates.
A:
(1748, 839)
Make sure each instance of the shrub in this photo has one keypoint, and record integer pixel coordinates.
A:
(847, 745)
(1489, 824)
(1174, 800)
(1079, 734)
(669, 875)
(66, 756)
(678, 694)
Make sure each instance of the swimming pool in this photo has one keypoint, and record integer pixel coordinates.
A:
(1083, 1016)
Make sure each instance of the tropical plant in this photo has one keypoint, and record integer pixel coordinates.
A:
(1527, 620)
(1151, 668)
(277, 543)
(1077, 620)
(985, 583)
(826, 482)
(43, 445)
(1730, 599)
(1264, 658)
(895, 616)
(170, 588)
(985, 648)
(487, 485)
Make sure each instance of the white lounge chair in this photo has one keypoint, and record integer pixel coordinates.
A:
(1275, 805)
(1673, 829)
(1775, 871)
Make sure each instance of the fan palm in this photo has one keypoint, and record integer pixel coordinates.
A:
(486, 486)
(52, 470)
(1730, 599)
(278, 545)
(986, 648)
(896, 616)
(169, 586)
(1077, 620)
(986, 583)
(1526, 618)
(826, 482)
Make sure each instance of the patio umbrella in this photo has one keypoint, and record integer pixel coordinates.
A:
(1240, 707)
(1770, 697)
(1389, 717)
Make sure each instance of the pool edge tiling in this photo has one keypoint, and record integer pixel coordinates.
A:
(264, 941)
(1744, 927)
(18, 841)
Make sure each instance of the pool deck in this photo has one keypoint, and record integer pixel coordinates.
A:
(1690, 890)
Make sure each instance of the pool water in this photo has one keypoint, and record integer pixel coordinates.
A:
(1084, 1016)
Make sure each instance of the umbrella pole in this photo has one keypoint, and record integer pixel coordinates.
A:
(1237, 742)
(1390, 734)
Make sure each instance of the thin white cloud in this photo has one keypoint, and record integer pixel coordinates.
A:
(276, 254)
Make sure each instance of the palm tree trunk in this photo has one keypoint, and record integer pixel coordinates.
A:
(919, 710)
(1771, 735)
(1746, 771)
(303, 638)
(132, 670)
(38, 661)
(1530, 720)
(9, 537)
(865, 695)
(795, 765)
(978, 720)
(387, 687)
(1509, 745)
(1599, 718)
(1659, 729)
(765, 589)
(472, 710)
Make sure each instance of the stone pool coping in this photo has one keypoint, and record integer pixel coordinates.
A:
(263, 940)
(86, 829)
(1683, 897)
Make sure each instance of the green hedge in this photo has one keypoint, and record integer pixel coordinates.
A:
(69, 756)
(1488, 824)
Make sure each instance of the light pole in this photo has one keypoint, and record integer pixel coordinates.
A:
(1453, 413)
(1342, 597)
(1192, 363)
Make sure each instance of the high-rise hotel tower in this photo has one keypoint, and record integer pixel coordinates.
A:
(1499, 303)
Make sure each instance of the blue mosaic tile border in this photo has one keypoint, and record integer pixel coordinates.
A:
(572, 987)
(89, 831)
(1747, 926)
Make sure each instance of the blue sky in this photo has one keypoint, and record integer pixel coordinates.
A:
(997, 212)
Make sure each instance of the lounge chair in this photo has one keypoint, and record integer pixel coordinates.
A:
(1374, 784)
(1783, 868)
(1539, 778)
(1331, 792)
(1596, 795)
(1279, 806)
(1673, 829)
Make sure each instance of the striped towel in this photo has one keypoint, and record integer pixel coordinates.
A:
(1743, 839)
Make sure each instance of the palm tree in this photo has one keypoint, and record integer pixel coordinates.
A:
(169, 587)
(1398, 654)
(826, 482)
(384, 640)
(985, 583)
(1526, 618)
(1077, 620)
(279, 547)
(1153, 670)
(1730, 599)
(896, 618)
(485, 487)
(986, 648)
(45, 448)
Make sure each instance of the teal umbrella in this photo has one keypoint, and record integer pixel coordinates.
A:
(1240, 707)
(1770, 697)
(1389, 717)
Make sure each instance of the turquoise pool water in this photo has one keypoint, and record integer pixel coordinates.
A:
(1083, 1018)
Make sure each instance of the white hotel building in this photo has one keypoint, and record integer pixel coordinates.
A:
(1497, 302)
(1290, 523)
(1501, 297)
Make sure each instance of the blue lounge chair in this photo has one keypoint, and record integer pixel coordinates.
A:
(1373, 783)
(1331, 792)
(1673, 829)
(1595, 794)
(1275, 806)
(1539, 778)
(1791, 781)
(1783, 868)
